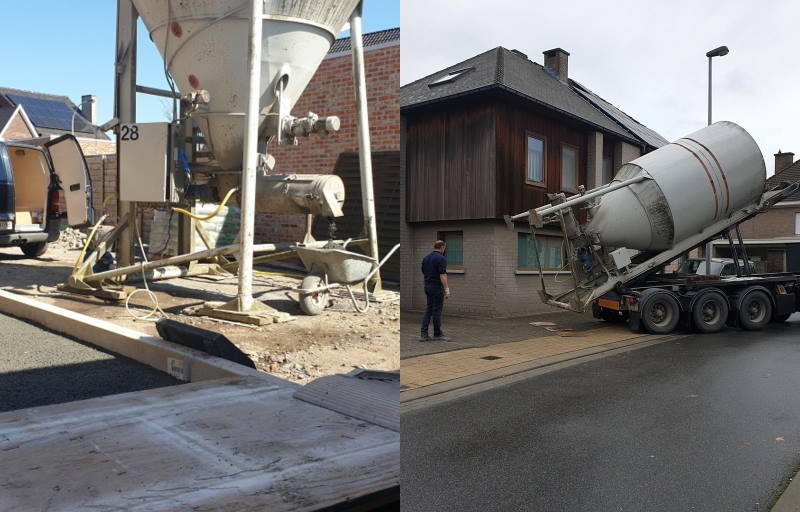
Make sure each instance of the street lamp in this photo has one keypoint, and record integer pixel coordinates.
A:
(716, 52)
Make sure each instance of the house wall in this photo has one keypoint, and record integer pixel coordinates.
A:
(514, 120)
(16, 129)
(330, 92)
(489, 285)
(777, 222)
(450, 159)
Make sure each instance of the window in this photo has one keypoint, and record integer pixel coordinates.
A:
(535, 172)
(797, 223)
(569, 168)
(549, 249)
(450, 76)
(454, 252)
(608, 172)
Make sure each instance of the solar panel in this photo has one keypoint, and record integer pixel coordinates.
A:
(51, 114)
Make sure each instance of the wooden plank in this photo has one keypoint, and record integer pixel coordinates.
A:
(234, 444)
(373, 401)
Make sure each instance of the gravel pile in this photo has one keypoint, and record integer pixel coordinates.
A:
(71, 239)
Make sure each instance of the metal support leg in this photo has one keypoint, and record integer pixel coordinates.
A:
(747, 269)
(365, 152)
(125, 109)
(733, 254)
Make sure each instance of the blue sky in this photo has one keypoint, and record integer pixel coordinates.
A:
(67, 48)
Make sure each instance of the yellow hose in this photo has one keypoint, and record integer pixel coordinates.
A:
(107, 199)
(79, 261)
(214, 213)
(284, 274)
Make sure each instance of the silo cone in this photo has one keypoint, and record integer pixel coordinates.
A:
(204, 43)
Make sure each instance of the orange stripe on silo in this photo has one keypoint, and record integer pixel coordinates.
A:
(708, 175)
(719, 166)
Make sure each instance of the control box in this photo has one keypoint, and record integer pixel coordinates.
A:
(146, 161)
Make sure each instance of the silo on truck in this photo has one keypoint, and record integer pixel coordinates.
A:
(657, 208)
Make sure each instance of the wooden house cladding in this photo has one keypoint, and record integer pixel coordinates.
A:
(450, 162)
(515, 121)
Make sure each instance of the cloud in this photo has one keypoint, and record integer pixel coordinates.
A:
(648, 58)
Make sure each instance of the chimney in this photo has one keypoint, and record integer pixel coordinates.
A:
(89, 107)
(783, 160)
(557, 59)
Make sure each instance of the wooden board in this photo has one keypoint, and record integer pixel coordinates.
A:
(231, 444)
(373, 401)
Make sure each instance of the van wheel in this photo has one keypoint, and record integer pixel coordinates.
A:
(34, 250)
(755, 311)
(313, 303)
(710, 312)
(660, 314)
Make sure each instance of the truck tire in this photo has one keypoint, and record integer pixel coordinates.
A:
(710, 312)
(755, 311)
(660, 313)
(34, 250)
(313, 303)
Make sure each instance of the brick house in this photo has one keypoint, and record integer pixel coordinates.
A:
(36, 118)
(492, 136)
(772, 239)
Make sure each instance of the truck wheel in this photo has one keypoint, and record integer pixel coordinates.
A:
(755, 311)
(660, 313)
(710, 312)
(313, 303)
(34, 250)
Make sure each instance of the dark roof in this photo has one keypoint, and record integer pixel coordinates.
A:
(51, 114)
(641, 131)
(5, 115)
(380, 37)
(511, 70)
(792, 174)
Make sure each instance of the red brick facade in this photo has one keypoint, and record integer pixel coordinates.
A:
(331, 92)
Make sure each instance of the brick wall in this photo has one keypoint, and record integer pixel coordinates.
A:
(17, 129)
(331, 92)
(778, 222)
(489, 286)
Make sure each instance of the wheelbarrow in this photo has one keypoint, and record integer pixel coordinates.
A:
(331, 268)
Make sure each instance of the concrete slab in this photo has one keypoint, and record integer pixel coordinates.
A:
(231, 444)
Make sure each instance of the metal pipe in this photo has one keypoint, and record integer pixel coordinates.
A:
(365, 152)
(173, 260)
(125, 109)
(245, 293)
(708, 244)
(746, 260)
(733, 253)
(581, 198)
(157, 92)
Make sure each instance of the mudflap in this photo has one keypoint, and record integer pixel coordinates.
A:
(635, 322)
(53, 228)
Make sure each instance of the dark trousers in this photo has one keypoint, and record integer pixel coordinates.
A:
(433, 311)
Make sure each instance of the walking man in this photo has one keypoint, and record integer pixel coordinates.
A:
(434, 268)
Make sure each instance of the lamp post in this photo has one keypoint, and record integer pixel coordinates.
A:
(716, 52)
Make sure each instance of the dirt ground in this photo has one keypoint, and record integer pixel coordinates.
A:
(300, 350)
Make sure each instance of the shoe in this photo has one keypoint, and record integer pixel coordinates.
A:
(440, 337)
(424, 337)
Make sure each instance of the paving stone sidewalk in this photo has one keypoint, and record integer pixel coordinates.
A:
(481, 332)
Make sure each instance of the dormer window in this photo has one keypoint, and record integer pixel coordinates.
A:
(450, 76)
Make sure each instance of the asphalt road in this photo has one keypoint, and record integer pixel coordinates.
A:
(707, 423)
(38, 367)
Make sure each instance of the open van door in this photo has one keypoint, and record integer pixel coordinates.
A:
(73, 175)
